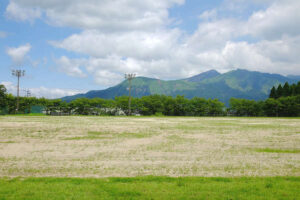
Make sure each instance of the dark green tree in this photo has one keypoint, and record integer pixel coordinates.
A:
(168, 105)
(286, 90)
(279, 91)
(180, 106)
(297, 89)
(293, 89)
(198, 106)
(271, 107)
(288, 106)
(3, 100)
(215, 107)
(273, 93)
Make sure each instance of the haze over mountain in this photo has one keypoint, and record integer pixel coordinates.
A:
(211, 84)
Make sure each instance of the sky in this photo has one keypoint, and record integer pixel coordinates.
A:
(73, 46)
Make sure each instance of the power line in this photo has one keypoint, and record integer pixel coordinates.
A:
(129, 77)
(18, 73)
(27, 93)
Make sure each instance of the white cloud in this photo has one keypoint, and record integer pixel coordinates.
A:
(208, 14)
(10, 87)
(70, 66)
(50, 93)
(281, 19)
(18, 54)
(125, 36)
(215, 34)
(53, 93)
(106, 15)
(22, 13)
(138, 44)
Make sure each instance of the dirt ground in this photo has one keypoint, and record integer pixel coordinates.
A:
(76, 146)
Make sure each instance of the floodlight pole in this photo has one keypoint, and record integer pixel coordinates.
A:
(18, 74)
(129, 77)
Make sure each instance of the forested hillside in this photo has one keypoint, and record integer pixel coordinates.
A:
(234, 84)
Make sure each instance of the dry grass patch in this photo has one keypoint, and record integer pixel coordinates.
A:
(76, 146)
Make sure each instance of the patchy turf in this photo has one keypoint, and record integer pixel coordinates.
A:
(79, 146)
(151, 188)
(268, 150)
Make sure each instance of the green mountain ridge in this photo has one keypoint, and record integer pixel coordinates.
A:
(211, 84)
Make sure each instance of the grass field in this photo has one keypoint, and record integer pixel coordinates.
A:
(260, 149)
(151, 188)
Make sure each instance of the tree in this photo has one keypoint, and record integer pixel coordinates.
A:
(81, 106)
(297, 89)
(271, 107)
(286, 90)
(273, 93)
(180, 106)
(198, 106)
(279, 91)
(245, 107)
(149, 105)
(168, 105)
(293, 89)
(215, 107)
(289, 106)
(3, 100)
(11, 103)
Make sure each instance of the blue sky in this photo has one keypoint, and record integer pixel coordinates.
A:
(71, 46)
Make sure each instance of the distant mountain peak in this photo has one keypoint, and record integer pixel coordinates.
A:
(204, 75)
(237, 83)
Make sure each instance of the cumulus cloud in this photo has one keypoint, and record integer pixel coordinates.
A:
(18, 54)
(138, 44)
(281, 19)
(22, 13)
(124, 36)
(51, 93)
(70, 66)
(90, 14)
(208, 15)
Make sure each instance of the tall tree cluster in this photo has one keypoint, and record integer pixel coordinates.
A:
(285, 90)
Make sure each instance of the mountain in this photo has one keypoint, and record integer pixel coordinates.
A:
(203, 76)
(211, 84)
(294, 77)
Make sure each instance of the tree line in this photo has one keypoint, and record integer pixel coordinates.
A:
(285, 90)
(159, 105)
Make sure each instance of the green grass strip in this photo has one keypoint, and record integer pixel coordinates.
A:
(151, 188)
(268, 150)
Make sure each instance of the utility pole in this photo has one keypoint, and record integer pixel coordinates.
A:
(129, 77)
(18, 73)
(27, 93)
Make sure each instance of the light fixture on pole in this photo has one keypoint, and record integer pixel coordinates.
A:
(129, 77)
(18, 73)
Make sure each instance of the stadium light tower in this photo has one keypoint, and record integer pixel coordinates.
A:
(18, 73)
(129, 77)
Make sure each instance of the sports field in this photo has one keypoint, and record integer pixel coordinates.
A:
(247, 152)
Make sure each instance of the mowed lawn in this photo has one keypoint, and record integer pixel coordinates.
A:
(185, 157)
(151, 188)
